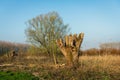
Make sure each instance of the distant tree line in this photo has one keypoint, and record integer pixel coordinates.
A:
(111, 48)
(6, 47)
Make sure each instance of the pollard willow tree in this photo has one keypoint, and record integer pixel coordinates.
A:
(43, 30)
(70, 47)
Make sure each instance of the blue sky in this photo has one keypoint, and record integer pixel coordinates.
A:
(98, 19)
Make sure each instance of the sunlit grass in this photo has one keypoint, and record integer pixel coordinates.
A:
(105, 67)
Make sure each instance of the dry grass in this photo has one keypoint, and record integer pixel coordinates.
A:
(107, 63)
(105, 67)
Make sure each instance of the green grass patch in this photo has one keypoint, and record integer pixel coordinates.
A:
(10, 75)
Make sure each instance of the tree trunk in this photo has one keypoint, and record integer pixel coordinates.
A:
(70, 48)
(55, 59)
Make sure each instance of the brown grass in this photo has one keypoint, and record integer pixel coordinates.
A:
(105, 67)
(107, 63)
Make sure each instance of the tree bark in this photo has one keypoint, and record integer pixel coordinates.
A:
(70, 48)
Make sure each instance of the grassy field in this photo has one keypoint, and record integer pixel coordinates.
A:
(105, 67)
